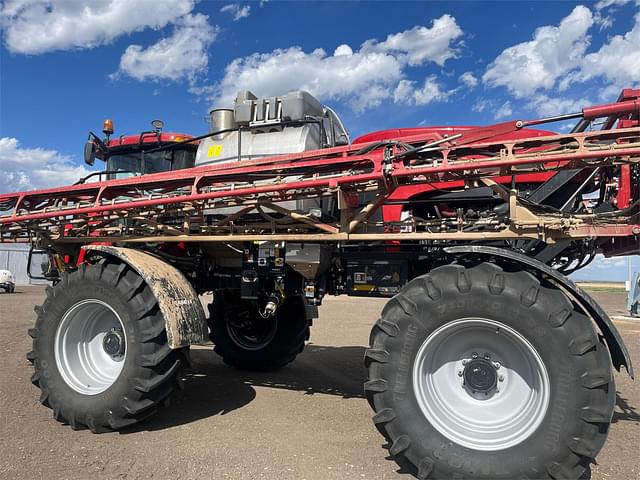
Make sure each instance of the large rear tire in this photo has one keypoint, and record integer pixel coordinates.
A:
(247, 341)
(477, 372)
(100, 349)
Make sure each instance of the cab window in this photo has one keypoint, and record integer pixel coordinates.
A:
(131, 163)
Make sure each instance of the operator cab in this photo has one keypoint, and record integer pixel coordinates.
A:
(152, 151)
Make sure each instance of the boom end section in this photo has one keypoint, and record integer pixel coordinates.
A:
(179, 304)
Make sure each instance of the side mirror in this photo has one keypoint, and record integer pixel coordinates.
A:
(90, 152)
(342, 140)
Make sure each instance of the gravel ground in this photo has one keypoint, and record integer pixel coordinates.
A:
(307, 421)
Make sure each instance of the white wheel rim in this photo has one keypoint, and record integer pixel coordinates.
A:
(492, 419)
(80, 354)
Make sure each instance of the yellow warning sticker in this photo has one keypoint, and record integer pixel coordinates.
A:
(364, 288)
(214, 151)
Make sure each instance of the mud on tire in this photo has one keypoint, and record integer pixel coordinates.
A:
(571, 430)
(150, 370)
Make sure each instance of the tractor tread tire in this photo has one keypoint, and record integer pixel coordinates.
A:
(151, 368)
(432, 455)
(293, 332)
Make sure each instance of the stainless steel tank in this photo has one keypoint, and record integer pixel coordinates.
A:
(266, 127)
(269, 126)
(222, 119)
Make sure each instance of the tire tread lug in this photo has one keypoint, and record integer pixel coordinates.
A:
(559, 318)
(463, 283)
(496, 284)
(391, 329)
(377, 355)
(530, 297)
(377, 386)
(595, 378)
(384, 416)
(433, 292)
(399, 445)
(595, 415)
(581, 345)
(425, 468)
(583, 447)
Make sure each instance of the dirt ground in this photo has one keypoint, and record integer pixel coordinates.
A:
(307, 421)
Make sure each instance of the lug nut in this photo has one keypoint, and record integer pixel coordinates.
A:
(487, 356)
(501, 378)
(460, 373)
(474, 355)
(465, 361)
(497, 365)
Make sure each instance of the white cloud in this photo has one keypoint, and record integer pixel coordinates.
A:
(237, 11)
(505, 110)
(603, 9)
(39, 26)
(30, 168)
(343, 49)
(603, 21)
(558, 57)
(361, 78)
(469, 79)
(618, 60)
(183, 54)
(481, 105)
(431, 91)
(537, 64)
(547, 106)
(602, 4)
(421, 44)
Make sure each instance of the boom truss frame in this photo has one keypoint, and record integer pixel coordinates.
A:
(220, 203)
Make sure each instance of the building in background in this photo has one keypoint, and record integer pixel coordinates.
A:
(13, 257)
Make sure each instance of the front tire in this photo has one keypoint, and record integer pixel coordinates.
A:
(247, 341)
(100, 350)
(477, 372)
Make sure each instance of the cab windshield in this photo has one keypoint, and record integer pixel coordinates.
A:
(132, 163)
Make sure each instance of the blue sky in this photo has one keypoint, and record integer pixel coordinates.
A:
(66, 65)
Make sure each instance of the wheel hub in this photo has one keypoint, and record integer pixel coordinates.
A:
(113, 343)
(248, 330)
(480, 376)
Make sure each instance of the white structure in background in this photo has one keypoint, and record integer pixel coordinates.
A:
(634, 298)
(7, 281)
(13, 257)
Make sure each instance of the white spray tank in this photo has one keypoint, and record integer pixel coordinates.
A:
(264, 127)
